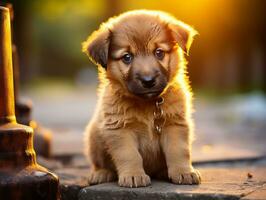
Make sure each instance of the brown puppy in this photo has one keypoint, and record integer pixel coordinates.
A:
(142, 125)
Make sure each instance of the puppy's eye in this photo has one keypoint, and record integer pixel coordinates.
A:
(159, 53)
(127, 58)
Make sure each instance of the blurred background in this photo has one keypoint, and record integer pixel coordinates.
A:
(227, 65)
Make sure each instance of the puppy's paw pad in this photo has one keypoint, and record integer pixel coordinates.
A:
(186, 178)
(134, 180)
(100, 176)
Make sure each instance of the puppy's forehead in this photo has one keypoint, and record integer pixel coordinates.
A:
(139, 32)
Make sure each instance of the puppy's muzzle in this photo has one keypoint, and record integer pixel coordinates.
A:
(147, 85)
(148, 81)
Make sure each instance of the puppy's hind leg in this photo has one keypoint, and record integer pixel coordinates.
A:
(97, 176)
(100, 165)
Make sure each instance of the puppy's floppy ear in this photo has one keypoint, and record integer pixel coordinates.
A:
(97, 45)
(183, 34)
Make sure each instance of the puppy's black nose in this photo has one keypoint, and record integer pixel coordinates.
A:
(147, 81)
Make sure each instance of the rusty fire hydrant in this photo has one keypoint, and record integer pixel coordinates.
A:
(20, 175)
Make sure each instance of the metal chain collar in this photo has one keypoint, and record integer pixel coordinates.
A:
(158, 114)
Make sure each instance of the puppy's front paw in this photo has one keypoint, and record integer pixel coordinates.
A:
(134, 180)
(183, 177)
(100, 176)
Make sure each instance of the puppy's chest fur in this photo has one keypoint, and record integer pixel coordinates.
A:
(121, 112)
(118, 113)
(150, 149)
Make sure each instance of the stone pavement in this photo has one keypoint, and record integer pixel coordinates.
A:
(225, 179)
(247, 183)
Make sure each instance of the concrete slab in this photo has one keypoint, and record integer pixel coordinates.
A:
(218, 183)
(259, 194)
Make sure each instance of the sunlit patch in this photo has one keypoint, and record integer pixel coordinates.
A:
(33, 124)
(207, 148)
(182, 79)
